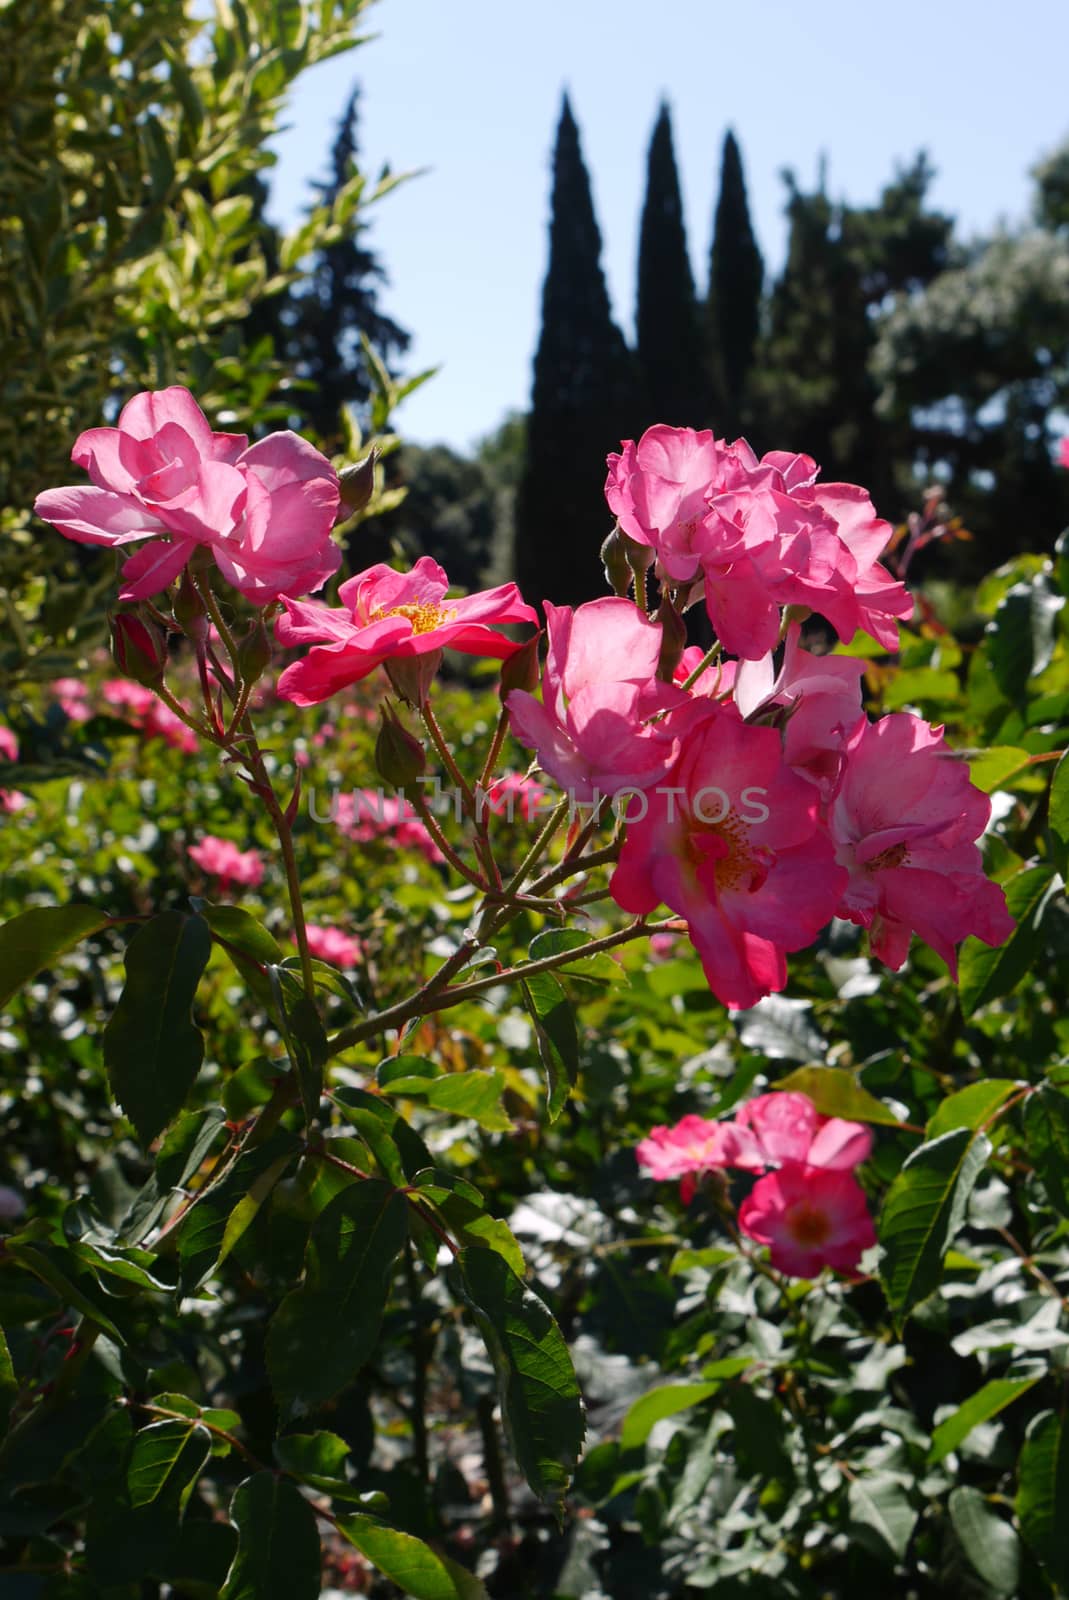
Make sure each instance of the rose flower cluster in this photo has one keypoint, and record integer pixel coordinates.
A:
(758, 799)
(807, 1206)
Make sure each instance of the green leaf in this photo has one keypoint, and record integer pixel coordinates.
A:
(324, 1331)
(1046, 1131)
(836, 1093)
(990, 769)
(182, 1153)
(56, 1266)
(1043, 1493)
(880, 1508)
(553, 941)
(781, 1029)
(665, 1401)
(152, 1047)
(417, 1569)
(278, 1544)
(9, 1387)
(1022, 634)
(306, 1042)
(980, 1407)
(540, 1398)
(397, 1148)
(971, 1107)
(245, 1212)
(924, 1209)
(985, 974)
(403, 1069)
(1058, 816)
(165, 1455)
(35, 939)
(989, 1543)
(316, 1458)
(475, 1094)
(558, 1042)
(463, 1210)
(233, 926)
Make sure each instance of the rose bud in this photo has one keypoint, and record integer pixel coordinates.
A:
(399, 757)
(356, 485)
(617, 567)
(412, 676)
(138, 648)
(673, 640)
(254, 652)
(520, 670)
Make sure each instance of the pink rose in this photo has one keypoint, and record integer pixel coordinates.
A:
(593, 728)
(154, 718)
(1063, 453)
(368, 814)
(164, 481)
(73, 697)
(736, 847)
(904, 822)
(810, 1218)
(821, 696)
(333, 946)
(220, 858)
(387, 615)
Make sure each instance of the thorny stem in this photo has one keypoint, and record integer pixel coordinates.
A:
(495, 748)
(707, 660)
(430, 822)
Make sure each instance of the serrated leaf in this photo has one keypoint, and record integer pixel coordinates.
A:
(1043, 1493)
(463, 1210)
(278, 1544)
(986, 974)
(980, 1407)
(971, 1107)
(35, 939)
(248, 1207)
(988, 1541)
(324, 1331)
(166, 1457)
(152, 1047)
(924, 1208)
(554, 941)
(667, 1400)
(417, 1569)
(551, 1013)
(540, 1398)
(1046, 1129)
(397, 1148)
(836, 1093)
(1022, 633)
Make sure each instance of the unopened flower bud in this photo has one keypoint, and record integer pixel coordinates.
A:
(673, 640)
(617, 566)
(356, 484)
(520, 670)
(399, 757)
(412, 676)
(189, 612)
(139, 648)
(254, 652)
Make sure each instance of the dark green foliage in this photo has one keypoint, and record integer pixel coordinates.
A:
(733, 301)
(320, 324)
(583, 399)
(668, 332)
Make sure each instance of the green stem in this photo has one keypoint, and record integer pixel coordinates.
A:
(707, 660)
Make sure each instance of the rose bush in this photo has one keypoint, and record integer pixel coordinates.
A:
(296, 1223)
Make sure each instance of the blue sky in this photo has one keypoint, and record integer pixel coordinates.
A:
(470, 90)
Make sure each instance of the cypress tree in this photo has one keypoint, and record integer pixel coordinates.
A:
(583, 399)
(733, 304)
(666, 320)
(341, 303)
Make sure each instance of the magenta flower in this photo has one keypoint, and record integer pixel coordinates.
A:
(692, 1145)
(387, 615)
(368, 814)
(156, 720)
(11, 800)
(905, 822)
(776, 1129)
(822, 698)
(735, 846)
(1063, 453)
(810, 1218)
(658, 489)
(164, 481)
(514, 794)
(592, 729)
(220, 858)
(333, 946)
(73, 698)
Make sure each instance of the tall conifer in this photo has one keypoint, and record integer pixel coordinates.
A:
(733, 304)
(666, 319)
(583, 398)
